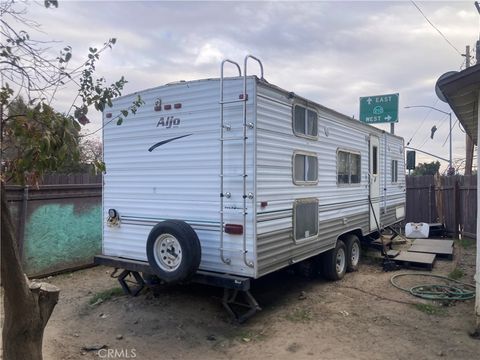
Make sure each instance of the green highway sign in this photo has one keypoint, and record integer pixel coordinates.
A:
(379, 109)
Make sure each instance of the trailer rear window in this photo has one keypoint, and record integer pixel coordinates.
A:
(305, 122)
(305, 169)
(348, 167)
(305, 219)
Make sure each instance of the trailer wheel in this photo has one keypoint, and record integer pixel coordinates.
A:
(353, 252)
(173, 250)
(335, 262)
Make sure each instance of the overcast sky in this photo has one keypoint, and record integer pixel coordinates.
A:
(329, 52)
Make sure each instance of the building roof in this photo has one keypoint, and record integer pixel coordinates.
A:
(461, 91)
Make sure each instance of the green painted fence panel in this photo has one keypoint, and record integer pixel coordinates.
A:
(58, 236)
(61, 224)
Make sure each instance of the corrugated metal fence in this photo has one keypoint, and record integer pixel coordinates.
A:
(450, 200)
(58, 226)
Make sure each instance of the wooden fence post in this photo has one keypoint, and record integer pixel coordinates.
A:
(456, 204)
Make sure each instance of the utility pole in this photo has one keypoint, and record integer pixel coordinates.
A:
(468, 140)
(467, 56)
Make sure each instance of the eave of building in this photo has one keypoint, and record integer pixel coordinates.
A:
(462, 91)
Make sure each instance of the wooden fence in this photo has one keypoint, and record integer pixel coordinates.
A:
(451, 200)
(59, 224)
(64, 179)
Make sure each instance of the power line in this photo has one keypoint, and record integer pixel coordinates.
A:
(422, 122)
(424, 142)
(427, 136)
(441, 34)
(443, 122)
(450, 134)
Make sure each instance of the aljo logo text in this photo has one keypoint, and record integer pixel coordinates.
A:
(168, 122)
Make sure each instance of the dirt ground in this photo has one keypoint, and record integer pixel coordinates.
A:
(361, 317)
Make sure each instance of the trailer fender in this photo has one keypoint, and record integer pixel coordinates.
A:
(173, 251)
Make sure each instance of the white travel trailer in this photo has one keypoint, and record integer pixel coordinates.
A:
(234, 178)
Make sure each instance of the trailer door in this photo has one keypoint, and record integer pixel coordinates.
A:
(374, 181)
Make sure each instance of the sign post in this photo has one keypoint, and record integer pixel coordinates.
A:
(379, 109)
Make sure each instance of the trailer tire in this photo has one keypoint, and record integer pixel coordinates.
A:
(353, 252)
(335, 262)
(173, 251)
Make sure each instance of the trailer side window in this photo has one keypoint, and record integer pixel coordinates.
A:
(305, 219)
(394, 171)
(348, 167)
(305, 169)
(305, 122)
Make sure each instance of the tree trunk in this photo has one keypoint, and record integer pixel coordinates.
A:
(27, 306)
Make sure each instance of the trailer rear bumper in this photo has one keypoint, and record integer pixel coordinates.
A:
(211, 278)
(237, 299)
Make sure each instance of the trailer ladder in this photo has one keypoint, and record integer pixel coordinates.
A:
(243, 98)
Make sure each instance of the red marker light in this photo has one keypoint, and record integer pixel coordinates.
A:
(108, 115)
(167, 107)
(177, 106)
(234, 229)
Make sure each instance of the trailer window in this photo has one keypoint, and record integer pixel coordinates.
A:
(305, 169)
(305, 122)
(348, 167)
(305, 219)
(394, 171)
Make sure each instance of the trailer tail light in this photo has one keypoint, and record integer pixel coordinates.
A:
(234, 229)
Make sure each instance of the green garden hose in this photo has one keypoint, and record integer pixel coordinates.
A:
(459, 291)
